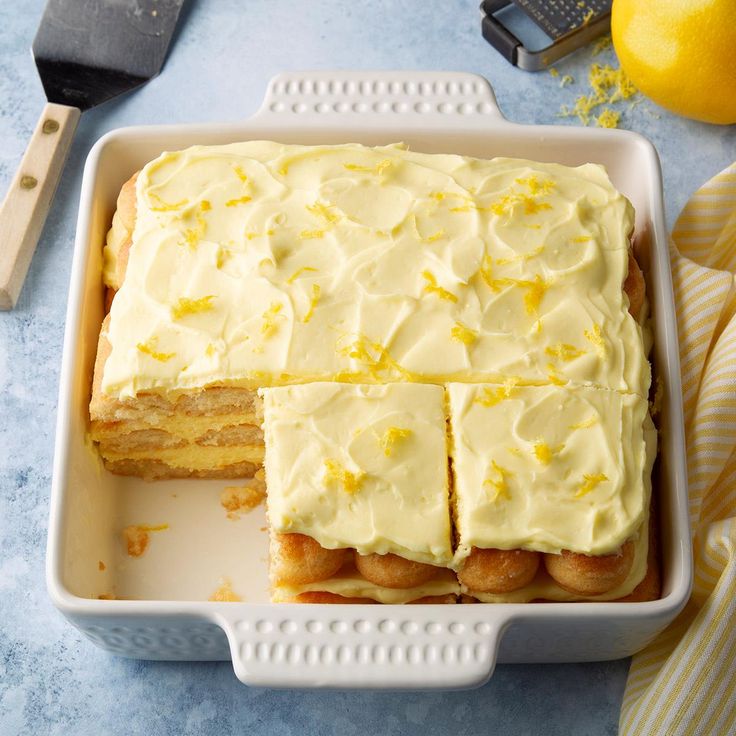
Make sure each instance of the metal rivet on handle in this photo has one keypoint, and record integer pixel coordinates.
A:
(28, 182)
(50, 126)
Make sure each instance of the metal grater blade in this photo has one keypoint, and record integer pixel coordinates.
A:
(558, 17)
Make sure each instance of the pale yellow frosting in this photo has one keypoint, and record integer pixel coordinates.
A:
(548, 468)
(259, 263)
(360, 466)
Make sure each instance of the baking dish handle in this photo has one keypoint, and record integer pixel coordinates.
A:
(383, 99)
(329, 646)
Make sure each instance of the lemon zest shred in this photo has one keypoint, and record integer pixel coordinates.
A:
(374, 356)
(269, 317)
(595, 336)
(608, 118)
(149, 348)
(590, 483)
(564, 351)
(313, 302)
(391, 436)
(431, 287)
(253, 235)
(501, 485)
(582, 239)
(336, 473)
(566, 79)
(210, 350)
(493, 396)
(299, 272)
(205, 205)
(240, 173)
(462, 333)
(240, 200)
(553, 377)
(162, 206)
(378, 169)
(585, 424)
(553, 72)
(520, 257)
(186, 306)
(311, 234)
(320, 209)
(544, 453)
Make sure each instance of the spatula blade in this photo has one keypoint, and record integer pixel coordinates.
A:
(88, 51)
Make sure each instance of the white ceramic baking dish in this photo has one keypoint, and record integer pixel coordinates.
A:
(161, 610)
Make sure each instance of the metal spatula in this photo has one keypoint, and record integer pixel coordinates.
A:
(86, 52)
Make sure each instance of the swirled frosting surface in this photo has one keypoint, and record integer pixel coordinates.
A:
(548, 468)
(361, 466)
(259, 263)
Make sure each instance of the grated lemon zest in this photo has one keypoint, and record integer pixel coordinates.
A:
(595, 336)
(336, 473)
(521, 257)
(205, 205)
(431, 287)
(553, 377)
(463, 333)
(162, 206)
(270, 316)
(299, 272)
(313, 302)
(320, 209)
(544, 453)
(493, 396)
(564, 351)
(391, 436)
(210, 351)
(254, 235)
(149, 348)
(240, 173)
(311, 234)
(590, 483)
(378, 169)
(374, 356)
(585, 424)
(240, 200)
(501, 485)
(192, 306)
(608, 118)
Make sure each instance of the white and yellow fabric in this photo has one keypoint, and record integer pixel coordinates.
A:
(685, 681)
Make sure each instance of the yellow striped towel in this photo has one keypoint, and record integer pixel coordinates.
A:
(685, 681)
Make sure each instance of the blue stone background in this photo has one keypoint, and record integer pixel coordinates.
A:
(51, 680)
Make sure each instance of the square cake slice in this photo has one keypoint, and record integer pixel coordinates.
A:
(358, 491)
(548, 476)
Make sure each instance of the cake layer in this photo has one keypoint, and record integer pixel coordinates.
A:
(548, 468)
(362, 467)
(350, 584)
(150, 469)
(262, 264)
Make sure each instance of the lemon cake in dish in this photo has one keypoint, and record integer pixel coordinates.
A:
(283, 268)
(259, 264)
(358, 491)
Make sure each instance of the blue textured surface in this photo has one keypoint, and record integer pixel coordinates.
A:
(51, 680)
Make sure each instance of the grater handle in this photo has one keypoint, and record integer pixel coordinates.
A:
(379, 100)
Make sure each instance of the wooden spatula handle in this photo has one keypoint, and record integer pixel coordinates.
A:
(26, 205)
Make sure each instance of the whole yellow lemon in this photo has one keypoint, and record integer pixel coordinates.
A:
(680, 53)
